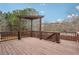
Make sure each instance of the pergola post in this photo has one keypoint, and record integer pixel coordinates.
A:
(19, 30)
(31, 27)
(40, 29)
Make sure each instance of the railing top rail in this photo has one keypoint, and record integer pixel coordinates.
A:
(7, 32)
(68, 32)
(37, 31)
(56, 31)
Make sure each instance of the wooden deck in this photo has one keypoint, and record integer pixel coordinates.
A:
(34, 46)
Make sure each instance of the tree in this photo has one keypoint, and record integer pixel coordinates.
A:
(3, 22)
(13, 19)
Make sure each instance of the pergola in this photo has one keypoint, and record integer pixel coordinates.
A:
(30, 18)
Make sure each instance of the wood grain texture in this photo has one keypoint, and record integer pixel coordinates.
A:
(35, 46)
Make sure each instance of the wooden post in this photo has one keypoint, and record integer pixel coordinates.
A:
(40, 30)
(19, 29)
(19, 37)
(77, 37)
(31, 27)
(1, 36)
(57, 37)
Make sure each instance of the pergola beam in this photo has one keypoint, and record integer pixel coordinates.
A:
(31, 17)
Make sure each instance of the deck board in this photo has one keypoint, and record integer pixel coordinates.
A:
(34, 46)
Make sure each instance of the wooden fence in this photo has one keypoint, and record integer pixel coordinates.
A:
(51, 36)
(4, 36)
(73, 36)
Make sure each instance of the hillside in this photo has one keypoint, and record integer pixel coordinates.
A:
(68, 25)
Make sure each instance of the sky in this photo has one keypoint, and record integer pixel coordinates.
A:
(52, 11)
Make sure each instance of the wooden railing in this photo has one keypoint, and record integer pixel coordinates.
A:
(4, 36)
(73, 36)
(51, 36)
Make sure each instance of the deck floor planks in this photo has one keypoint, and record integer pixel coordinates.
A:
(20, 46)
(0, 48)
(34, 46)
(3, 48)
(41, 48)
(48, 46)
(11, 50)
(16, 48)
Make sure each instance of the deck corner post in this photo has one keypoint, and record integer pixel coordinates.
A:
(58, 38)
(19, 36)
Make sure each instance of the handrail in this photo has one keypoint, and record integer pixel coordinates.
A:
(42, 31)
(47, 35)
(50, 35)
